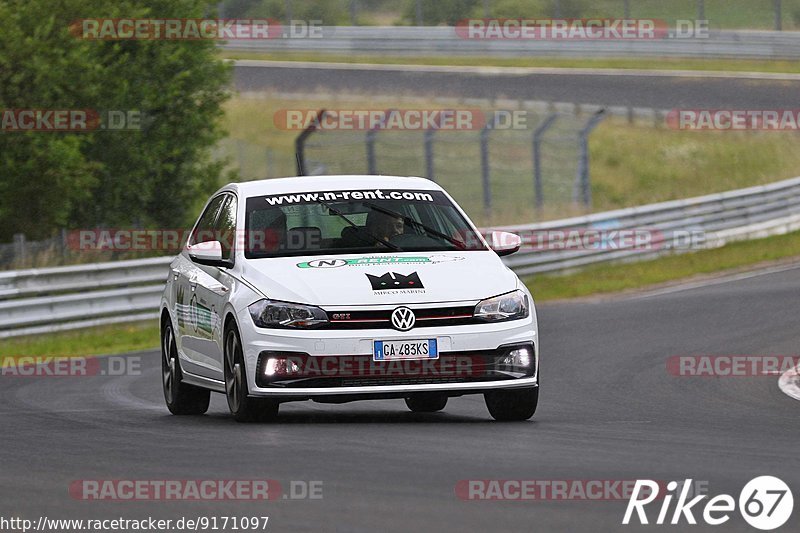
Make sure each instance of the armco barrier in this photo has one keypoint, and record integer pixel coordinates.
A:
(40, 301)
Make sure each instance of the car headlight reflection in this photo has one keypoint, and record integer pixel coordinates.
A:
(272, 314)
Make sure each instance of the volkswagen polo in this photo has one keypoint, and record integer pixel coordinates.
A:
(343, 288)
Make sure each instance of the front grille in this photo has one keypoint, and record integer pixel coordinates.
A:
(381, 319)
(362, 371)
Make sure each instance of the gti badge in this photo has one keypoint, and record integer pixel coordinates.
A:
(393, 280)
(403, 319)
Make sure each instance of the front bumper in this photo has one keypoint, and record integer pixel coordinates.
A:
(475, 343)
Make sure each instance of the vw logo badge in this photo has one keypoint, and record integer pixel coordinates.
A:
(403, 319)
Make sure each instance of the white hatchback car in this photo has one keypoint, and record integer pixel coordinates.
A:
(343, 288)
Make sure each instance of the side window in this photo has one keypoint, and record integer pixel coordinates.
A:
(204, 230)
(225, 228)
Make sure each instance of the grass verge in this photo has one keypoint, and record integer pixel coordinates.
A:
(610, 278)
(102, 340)
(722, 65)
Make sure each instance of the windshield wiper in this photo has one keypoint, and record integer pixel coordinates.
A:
(358, 228)
(458, 244)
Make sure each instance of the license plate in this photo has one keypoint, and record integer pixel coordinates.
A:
(410, 349)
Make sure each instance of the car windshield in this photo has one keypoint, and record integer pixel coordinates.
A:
(340, 222)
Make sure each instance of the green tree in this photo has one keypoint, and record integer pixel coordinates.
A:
(152, 177)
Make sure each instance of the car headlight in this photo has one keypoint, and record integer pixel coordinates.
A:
(510, 306)
(272, 314)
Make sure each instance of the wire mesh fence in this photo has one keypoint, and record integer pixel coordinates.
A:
(501, 174)
(725, 14)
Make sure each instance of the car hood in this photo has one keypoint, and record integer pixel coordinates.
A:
(359, 279)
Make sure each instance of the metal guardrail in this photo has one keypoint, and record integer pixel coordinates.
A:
(41, 301)
(444, 41)
(720, 218)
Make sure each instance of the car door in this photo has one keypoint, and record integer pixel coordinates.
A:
(211, 286)
(191, 314)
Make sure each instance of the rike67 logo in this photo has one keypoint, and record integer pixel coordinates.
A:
(765, 503)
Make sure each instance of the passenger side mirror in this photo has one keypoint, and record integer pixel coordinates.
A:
(504, 243)
(207, 253)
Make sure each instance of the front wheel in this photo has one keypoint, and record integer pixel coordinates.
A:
(242, 406)
(182, 399)
(515, 404)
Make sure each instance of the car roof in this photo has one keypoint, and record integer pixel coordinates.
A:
(328, 183)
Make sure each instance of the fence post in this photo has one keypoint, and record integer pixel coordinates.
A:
(300, 143)
(778, 25)
(240, 157)
(289, 14)
(419, 12)
(485, 178)
(64, 242)
(701, 10)
(627, 8)
(428, 138)
(270, 162)
(370, 142)
(538, 133)
(353, 12)
(583, 187)
(369, 138)
(20, 249)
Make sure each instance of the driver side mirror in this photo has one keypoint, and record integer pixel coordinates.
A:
(207, 253)
(504, 243)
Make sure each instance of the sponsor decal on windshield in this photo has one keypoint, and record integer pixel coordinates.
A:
(395, 281)
(338, 196)
(370, 261)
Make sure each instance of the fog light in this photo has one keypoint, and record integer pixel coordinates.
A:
(280, 366)
(518, 357)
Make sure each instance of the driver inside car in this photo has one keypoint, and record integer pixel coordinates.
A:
(384, 226)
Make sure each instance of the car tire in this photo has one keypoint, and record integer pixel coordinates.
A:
(426, 403)
(511, 405)
(181, 399)
(243, 407)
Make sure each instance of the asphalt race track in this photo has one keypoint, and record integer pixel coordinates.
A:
(609, 411)
(636, 89)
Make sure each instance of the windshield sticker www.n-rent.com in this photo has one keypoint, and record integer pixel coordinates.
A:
(337, 196)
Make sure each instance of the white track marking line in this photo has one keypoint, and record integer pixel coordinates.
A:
(716, 281)
(488, 70)
(117, 391)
